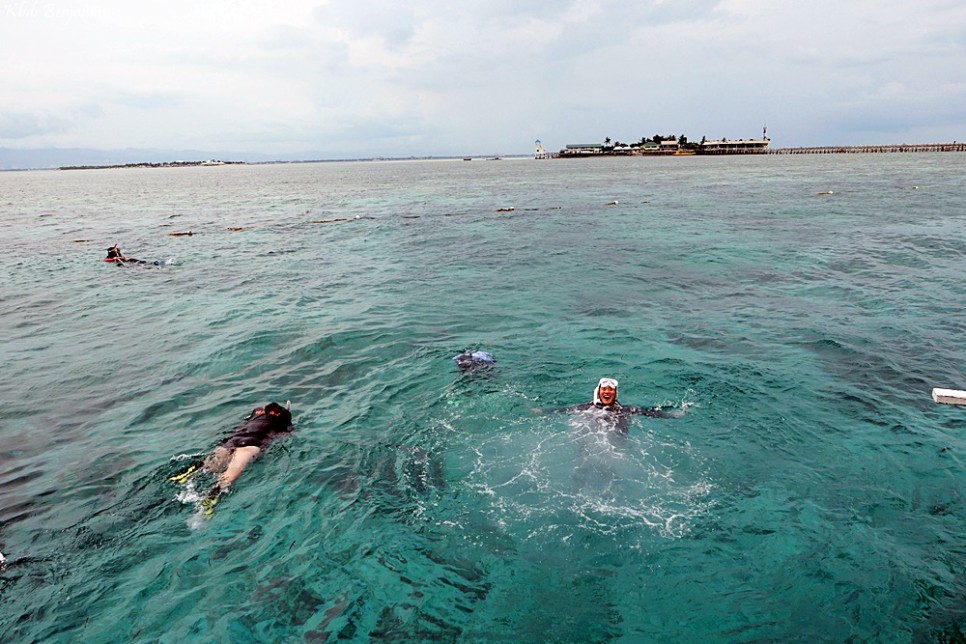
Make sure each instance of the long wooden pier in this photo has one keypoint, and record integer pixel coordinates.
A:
(955, 146)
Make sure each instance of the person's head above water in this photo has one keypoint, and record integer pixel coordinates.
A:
(275, 413)
(467, 361)
(113, 252)
(606, 392)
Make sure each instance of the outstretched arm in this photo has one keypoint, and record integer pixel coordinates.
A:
(560, 410)
(655, 412)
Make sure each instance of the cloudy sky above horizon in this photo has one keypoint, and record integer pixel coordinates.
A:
(348, 78)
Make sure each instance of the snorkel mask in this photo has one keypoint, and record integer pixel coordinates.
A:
(278, 413)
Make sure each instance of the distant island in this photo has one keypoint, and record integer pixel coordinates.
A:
(162, 164)
(675, 145)
(660, 145)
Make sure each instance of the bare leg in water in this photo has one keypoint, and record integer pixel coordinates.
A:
(229, 465)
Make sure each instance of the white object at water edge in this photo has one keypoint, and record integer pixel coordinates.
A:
(949, 396)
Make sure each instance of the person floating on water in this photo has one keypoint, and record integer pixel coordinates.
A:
(115, 256)
(605, 402)
(246, 443)
(468, 362)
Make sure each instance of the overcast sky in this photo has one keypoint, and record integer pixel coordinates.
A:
(350, 78)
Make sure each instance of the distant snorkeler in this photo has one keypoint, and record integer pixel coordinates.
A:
(246, 443)
(468, 362)
(116, 257)
(605, 401)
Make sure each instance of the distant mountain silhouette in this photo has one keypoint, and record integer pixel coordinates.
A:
(48, 158)
(16, 159)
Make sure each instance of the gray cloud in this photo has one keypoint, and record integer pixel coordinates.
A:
(24, 125)
(433, 77)
(393, 23)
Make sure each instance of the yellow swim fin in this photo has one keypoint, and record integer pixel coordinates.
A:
(186, 475)
(208, 505)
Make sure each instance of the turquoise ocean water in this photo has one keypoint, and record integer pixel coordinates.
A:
(811, 491)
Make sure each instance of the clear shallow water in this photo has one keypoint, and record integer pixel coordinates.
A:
(812, 490)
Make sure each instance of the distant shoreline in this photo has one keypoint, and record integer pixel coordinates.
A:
(162, 164)
(188, 164)
(955, 146)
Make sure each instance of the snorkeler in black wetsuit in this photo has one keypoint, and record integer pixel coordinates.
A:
(468, 362)
(246, 443)
(115, 256)
(262, 426)
(605, 400)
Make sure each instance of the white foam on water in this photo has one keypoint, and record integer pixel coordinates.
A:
(189, 493)
(590, 479)
(197, 520)
(184, 457)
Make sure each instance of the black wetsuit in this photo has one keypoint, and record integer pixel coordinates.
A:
(260, 429)
(470, 362)
(620, 414)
